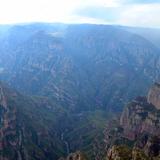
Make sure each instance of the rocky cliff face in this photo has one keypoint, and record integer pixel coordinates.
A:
(8, 132)
(83, 67)
(75, 156)
(34, 128)
(80, 71)
(140, 117)
(154, 95)
(24, 133)
(126, 153)
(138, 129)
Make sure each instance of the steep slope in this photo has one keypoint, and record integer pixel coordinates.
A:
(28, 128)
(152, 34)
(140, 117)
(133, 136)
(75, 156)
(34, 128)
(84, 67)
(83, 73)
(143, 115)
(139, 130)
(154, 96)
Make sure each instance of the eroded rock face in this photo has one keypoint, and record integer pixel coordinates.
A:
(140, 117)
(75, 156)
(7, 125)
(154, 95)
(139, 128)
(119, 153)
(79, 65)
(20, 131)
(126, 153)
(152, 147)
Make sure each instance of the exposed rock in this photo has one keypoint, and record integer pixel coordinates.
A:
(87, 68)
(7, 125)
(138, 154)
(140, 130)
(94, 66)
(126, 153)
(119, 153)
(2, 98)
(75, 156)
(21, 133)
(140, 117)
(154, 95)
(152, 147)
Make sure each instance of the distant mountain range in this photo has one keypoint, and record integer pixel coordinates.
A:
(84, 66)
(68, 82)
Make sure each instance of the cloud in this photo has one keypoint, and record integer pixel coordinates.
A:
(123, 12)
(99, 12)
(145, 15)
(48, 10)
(105, 3)
(36, 10)
(141, 1)
(128, 13)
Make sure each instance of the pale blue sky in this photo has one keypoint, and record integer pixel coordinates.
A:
(144, 13)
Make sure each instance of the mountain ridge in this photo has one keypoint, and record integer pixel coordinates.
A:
(76, 58)
(72, 82)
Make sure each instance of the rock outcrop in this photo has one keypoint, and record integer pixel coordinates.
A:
(22, 135)
(126, 153)
(140, 117)
(154, 95)
(138, 129)
(7, 125)
(119, 153)
(75, 156)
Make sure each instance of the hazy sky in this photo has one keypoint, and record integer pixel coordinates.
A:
(124, 12)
